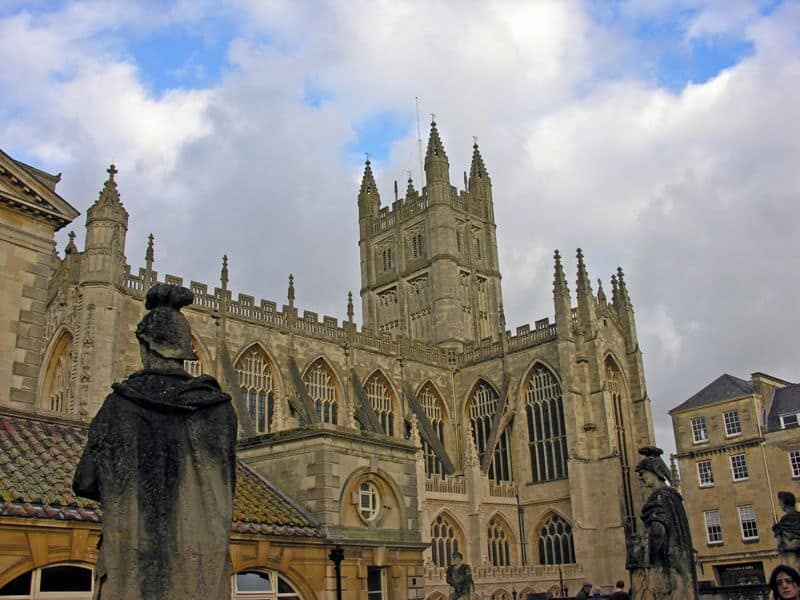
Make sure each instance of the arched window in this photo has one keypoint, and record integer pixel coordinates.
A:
(444, 541)
(501, 595)
(482, 408)
(432, 405)
(55, 582)
(193, 367)
(382, 399)
(416, 245)
(498, 537)
(555, 542)
(263, 585)
(320, 385)
(547, 436)
(616, 388)
(58, 391)
(258, 387)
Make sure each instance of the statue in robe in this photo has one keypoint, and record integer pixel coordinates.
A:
(459, 577)
(661, 561)
(787, 530)
(160, 458)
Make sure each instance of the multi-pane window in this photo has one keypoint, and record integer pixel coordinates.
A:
(499, 546)
(699, 430)
(739, 467)
(444, 541)
(556, 546)
(732, 424)
(788, 421)
(713, 526)
(266, 585)
(704, 473)
(547, 436)
(58, 394)
(376, 583)
(320, 386)
(432, 405)
(382, 400)
(368, 501)
(747, 519)
(386, 257)
(794, 462)
(481, 413)
(257, 385)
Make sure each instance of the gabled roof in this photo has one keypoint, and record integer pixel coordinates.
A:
(723, 387)
(28, 189)
(38, 458)
(785, 401)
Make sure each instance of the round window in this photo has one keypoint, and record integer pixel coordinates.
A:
(368, 501)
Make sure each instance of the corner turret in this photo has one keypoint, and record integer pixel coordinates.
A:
(437, 166)
(479, 183)
(106, 228)
(369, 200)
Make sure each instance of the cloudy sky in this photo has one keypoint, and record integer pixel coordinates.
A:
(659, 135)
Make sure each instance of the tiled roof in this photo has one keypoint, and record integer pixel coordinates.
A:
(38, 458)
(723, 387)
(785, 401)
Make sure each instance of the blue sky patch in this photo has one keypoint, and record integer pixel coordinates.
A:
(377, 133)
(314, 95)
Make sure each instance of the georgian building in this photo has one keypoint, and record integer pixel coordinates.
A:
(429, 429)
(737, 446)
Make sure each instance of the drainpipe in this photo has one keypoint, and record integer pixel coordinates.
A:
(337, 556)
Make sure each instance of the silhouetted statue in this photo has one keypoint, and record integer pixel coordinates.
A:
(459, 577)
(160, 459)
(662, 563)
(787, 530)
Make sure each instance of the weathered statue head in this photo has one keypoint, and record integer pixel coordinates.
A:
(787, 500)
(457, 558)
(164, 334)
(652, 469)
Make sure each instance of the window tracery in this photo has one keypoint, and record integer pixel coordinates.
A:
(547, 436)
(382, 399)
(58, 386)
(482, 408)
(444, 541)
(498, 539)
(258, 390)
(432, 405)
(320, 385)
(615, 387)
(556, 546)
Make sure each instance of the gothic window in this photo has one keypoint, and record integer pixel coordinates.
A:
(444, 541)
(498, 539)
(382, 399)
(556, 546)
(258, 387)
(416, 245)
(482, 408)
(616, 388)
(385, 258)
(193, 367)
(547, 436)
(58, 393)
(477, 250)
(432, 405)
(320, 385)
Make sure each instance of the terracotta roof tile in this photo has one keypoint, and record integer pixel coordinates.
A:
(38, 459)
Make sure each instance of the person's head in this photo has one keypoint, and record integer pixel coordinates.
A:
(597, 592)
(620, 585)
(652, 469)
(457, 558)
(164, 334)
(787, 500)
(587, 587)
(785, 583)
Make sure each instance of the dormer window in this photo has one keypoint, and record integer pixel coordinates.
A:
(788, 421)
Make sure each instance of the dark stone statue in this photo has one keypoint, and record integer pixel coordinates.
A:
(662, 561)
(160, 458)
(459, 577)
(787, 530)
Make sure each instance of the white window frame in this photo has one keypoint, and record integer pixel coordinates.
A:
(381, 593)
(713, 524)
(732, 421)
(699, 426)
(36, 582)
(709, 472)
(370, 491)
(743, 466)
(795, 420)
(747, 514)
(794, 463)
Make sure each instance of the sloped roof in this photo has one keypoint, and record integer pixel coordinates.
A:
(784, 401)
(723, 387)
(38, 458)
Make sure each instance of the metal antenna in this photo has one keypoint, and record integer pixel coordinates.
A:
(419, 146)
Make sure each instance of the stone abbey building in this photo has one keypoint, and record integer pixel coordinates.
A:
(429, 429)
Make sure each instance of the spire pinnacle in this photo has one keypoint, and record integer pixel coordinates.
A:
(614, 291)
(410, 191)
(435, 147)
(601, 295)
(583, 284)
(290, 292)
(71, 247)
(477, 170)
(223, 276)
(559, 281)
(149, 255)
(623, 289)
(368, 179)
(109, 194)
(350, 307)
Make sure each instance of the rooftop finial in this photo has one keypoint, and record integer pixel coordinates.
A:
(559, 281)
(290, 293)
(111, 170)
(601, 295)
(223, 276)
(71, 247)
(149, 255)
(350, 307)
(583, 285)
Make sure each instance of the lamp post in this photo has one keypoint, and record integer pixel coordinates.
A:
(337, 556)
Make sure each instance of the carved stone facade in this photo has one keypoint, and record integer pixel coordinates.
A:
(430, 429)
